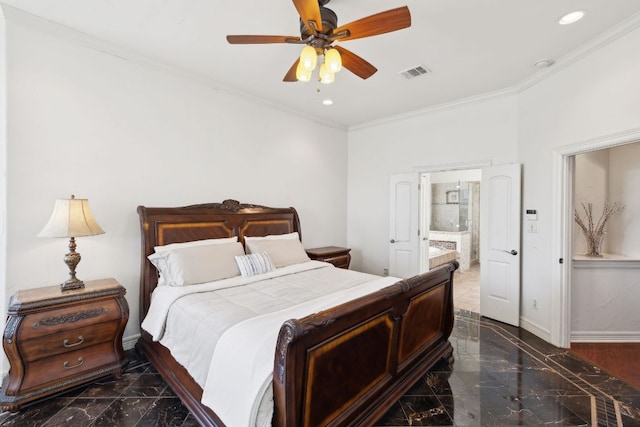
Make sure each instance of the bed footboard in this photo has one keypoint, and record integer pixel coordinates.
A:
(348, 365)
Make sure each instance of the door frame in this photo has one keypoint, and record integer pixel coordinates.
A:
(563, 224)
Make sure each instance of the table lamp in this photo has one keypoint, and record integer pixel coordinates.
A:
(71, 218)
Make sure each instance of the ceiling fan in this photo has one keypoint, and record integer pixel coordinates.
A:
(319, 30)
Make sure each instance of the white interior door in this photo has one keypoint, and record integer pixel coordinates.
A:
(403, 225)
(425, 221)
(500, 194)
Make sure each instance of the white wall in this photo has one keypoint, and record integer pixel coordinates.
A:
(3, 162)
(613, 175)
(605, 300)
(122, 134)
(624, 184)
(482, 131)
(591, 185)
(594, 97)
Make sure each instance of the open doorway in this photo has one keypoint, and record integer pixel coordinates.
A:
(450, 218)
(500, 226)
(563, 330)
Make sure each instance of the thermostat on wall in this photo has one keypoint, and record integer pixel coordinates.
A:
(532, 215)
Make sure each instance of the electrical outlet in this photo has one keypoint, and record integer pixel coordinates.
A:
(535, 303)
(385, 272)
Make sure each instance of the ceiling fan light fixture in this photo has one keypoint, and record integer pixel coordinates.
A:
(309, 58)
(302, 74)
(333, 60)
(325, 75)
(571, 17)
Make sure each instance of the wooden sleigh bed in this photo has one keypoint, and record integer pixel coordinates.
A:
(345, 366)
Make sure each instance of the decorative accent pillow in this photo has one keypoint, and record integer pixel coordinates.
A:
(197, 264)
(282, 252)
(254, 264)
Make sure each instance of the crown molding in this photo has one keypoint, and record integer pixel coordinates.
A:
(440, 107)
(93, 43)
(604, 39)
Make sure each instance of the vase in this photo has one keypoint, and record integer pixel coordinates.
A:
(594, 244)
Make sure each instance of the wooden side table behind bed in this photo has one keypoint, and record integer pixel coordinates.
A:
(335, 255)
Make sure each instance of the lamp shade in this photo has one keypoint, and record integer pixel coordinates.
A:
(71, 218)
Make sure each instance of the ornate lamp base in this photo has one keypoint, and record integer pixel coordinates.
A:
(72, 259)
(73, 283)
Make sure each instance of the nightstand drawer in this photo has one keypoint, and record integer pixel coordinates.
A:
(57, 368)
(68, 341)
(53, 321)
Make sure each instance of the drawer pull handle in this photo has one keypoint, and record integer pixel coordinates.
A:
(67, 366)
(80, 341)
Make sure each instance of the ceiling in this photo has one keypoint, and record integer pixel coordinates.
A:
(471, 47)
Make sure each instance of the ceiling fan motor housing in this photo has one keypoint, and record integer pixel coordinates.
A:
(329, 22)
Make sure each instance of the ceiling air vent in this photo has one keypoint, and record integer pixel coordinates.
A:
(414, 72)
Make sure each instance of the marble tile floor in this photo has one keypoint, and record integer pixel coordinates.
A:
(502, 376)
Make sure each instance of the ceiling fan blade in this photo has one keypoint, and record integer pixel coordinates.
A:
(242, 39)
(291, 74)
(309, 10)
(355, 64)
(380, 23)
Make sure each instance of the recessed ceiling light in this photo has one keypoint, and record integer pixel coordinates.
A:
(544, 63)
(571, 17)
(327, 102)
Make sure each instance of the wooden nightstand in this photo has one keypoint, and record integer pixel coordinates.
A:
(56, 340)
(336, 255)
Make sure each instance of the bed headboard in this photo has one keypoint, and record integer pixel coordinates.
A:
(161, 226)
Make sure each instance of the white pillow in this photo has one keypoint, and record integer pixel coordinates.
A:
(254, 264)
(282, 252)
(197, 264)
(204, 242)
(293, 235)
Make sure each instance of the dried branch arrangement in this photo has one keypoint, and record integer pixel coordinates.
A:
(595, 233)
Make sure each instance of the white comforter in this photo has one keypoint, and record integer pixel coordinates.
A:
(225, 332)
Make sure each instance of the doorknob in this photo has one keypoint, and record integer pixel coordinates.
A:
(512, 252)
(392, 241)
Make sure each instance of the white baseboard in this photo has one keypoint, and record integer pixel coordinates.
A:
(129, 343)
(605, 336)
(535, 329)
